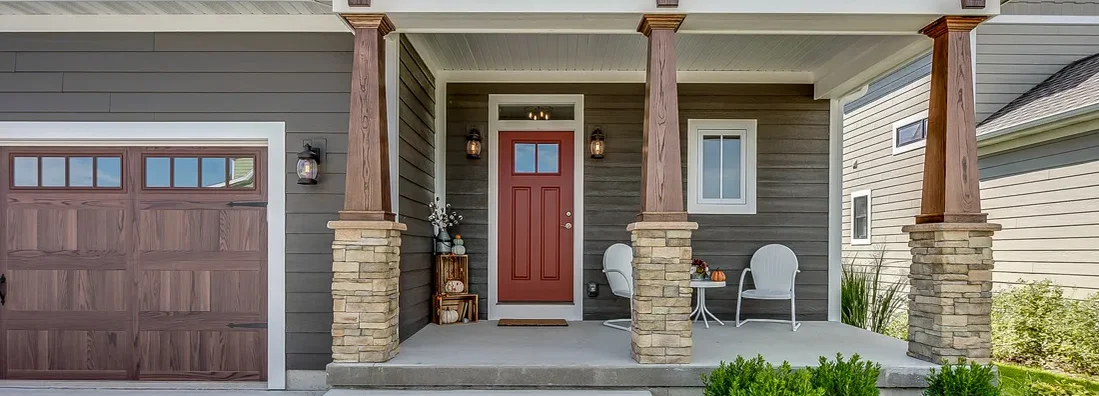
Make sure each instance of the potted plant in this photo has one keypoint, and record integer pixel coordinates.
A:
(443, 218)
(699, 269)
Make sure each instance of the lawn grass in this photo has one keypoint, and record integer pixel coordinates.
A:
(1014, 378)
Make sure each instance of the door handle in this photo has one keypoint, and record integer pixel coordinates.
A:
(3, 289)
(568, 226)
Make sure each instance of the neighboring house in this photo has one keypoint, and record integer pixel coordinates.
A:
(1037, 97)
(154, 226)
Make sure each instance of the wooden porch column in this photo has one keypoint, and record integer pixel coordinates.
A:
(367, 189)
(950, 298)
(662, 167)
(951, 186)
(661, 238)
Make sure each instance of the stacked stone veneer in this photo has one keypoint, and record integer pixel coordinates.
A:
(661, 306)
(951, 291)
(365, 290)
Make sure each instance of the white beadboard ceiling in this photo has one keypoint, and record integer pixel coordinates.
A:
(620, 52)
(165, 7)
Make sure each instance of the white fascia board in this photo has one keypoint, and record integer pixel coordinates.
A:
(172, 23)
(1044, 20)
(473, 76)
(927, 7)
(841, 77)
(1051, 122)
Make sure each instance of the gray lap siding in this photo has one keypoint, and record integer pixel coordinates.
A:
(792, 184)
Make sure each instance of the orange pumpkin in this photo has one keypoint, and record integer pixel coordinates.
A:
(717, 275)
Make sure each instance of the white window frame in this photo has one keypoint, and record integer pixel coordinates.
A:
(903, 122)
(869, 217)
(746, 130)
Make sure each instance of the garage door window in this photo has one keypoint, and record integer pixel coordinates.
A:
(192, 172)
(66, 172)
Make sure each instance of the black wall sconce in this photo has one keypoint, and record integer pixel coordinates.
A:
(308, 158)
(598, 143)
(473, 144)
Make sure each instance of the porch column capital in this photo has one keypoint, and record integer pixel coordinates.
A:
(951, 182)
(951, 23)
(366, 191)
(650, 22)
(380, 22)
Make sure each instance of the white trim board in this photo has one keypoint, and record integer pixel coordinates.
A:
(393, 118)
(172, 23)
(269, 134)
(835, 204)
(1044, 20)
(623, 76)
(574, 311)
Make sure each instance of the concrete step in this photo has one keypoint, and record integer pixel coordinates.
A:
(482, 392)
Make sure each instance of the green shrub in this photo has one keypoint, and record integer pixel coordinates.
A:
(1036, 325)
(961, 379)
(1061, 388)
(866, 300)
(847, 378)
(756, 377)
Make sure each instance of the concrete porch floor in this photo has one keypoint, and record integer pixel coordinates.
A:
(587, 354)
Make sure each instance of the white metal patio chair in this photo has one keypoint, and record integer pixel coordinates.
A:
(774, 268)
(618, 265)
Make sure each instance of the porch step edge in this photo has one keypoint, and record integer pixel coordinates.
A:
(482, 392)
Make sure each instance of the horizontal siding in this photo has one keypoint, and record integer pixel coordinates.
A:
(1050, 7)
(1046, 197)
(300, 79)
(416, 171)
(792, 178)
(895, 180)
(1012, 59)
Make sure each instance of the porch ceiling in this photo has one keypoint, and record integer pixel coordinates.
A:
(835, 63)
(619, 52)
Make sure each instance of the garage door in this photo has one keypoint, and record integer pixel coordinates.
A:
(133, 263)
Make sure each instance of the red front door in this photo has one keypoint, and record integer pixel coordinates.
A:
(536, 217)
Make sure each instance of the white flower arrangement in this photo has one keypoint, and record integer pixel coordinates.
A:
(441, 216)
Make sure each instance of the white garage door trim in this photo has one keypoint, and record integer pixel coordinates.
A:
(258, 134)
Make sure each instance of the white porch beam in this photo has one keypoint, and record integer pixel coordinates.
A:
(856, 66)
(172, 23)
(473, 76)
(869, 7)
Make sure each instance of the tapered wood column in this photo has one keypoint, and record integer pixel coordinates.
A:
(367, 189)
(951, 185)
(662, 167)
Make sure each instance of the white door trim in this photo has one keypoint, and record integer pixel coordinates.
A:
(574, 311)
(259, 134)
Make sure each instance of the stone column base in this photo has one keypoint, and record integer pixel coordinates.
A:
(661, 306)
(950, 304)
(366, 258)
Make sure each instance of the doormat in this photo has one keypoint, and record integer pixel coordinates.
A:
(532, 322)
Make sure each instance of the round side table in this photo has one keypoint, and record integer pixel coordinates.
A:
(701, 311)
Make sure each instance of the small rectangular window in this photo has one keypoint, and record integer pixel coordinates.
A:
(910, 133)
(860, 217)
(721, 166)
(60, 171)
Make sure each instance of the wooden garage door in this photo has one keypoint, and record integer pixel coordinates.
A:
(133, 263)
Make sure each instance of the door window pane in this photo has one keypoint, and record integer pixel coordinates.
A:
(158, 172)
(185, 172)
(53, 171)
(730, 167)
(25, 171)
(242, 172)
(711, 167)
(80, 171)
(548, 157)
(108, 172)
(524, 158)
(213, 172)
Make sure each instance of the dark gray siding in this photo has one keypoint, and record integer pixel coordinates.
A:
(417, 187)
(792, 183)
(300, 79)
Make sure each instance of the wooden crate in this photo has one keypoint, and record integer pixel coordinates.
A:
(465, 304)
(450, 267)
